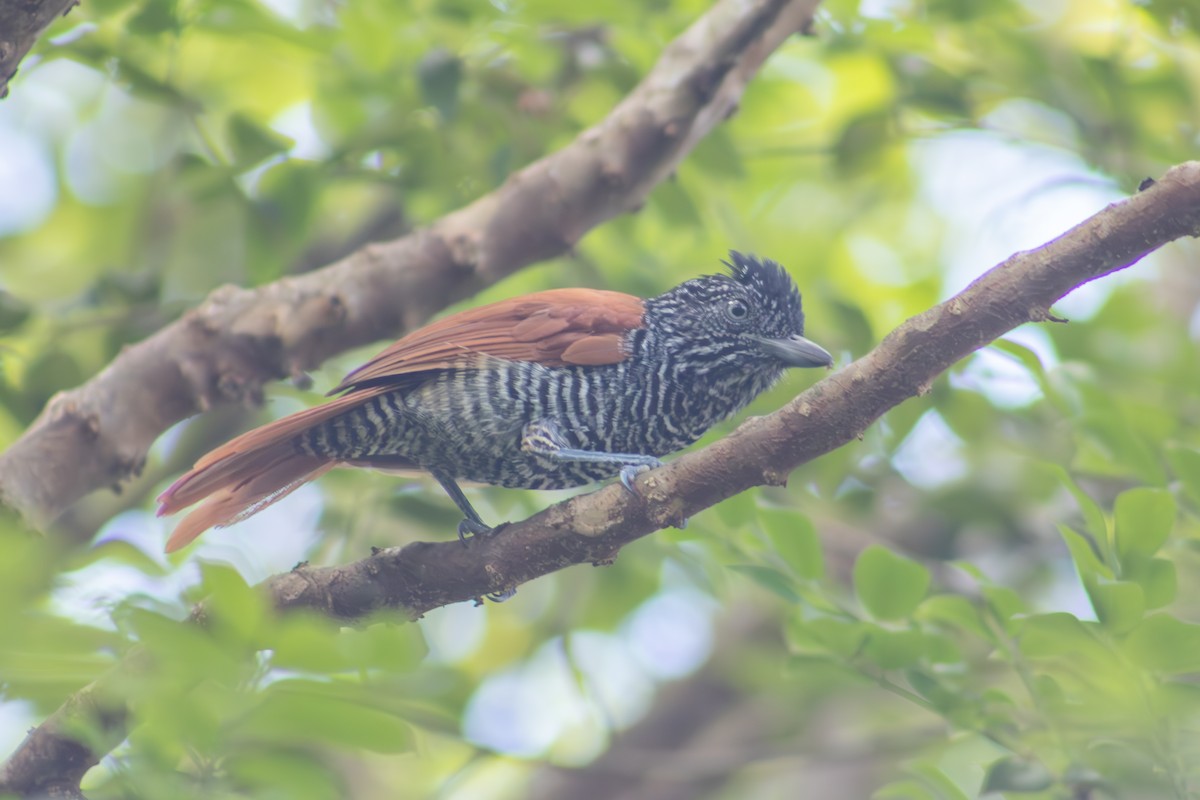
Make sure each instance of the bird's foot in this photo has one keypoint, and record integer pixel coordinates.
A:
(631, 471)
(500, 597)
(469, 529)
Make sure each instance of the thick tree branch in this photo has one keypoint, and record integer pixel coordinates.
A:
(762, 451)
(21, 21)
(593, 528)
(224, 351)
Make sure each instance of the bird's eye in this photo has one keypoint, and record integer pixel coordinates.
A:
(737, 310)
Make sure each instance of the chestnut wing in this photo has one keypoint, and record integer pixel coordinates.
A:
(557, 328)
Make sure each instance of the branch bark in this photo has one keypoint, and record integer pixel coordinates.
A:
(592, 528)
(762, 451)
(224, 351)
(20, 24)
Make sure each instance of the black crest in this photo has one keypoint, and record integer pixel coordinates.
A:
(771, 283)
(763, 276)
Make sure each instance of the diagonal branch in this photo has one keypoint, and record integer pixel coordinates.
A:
(593, 528)
(224, 351)
(762, 451)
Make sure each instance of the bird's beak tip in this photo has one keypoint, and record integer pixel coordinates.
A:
(796, 351)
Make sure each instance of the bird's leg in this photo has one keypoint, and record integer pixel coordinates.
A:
(543, 437)
(473, 524)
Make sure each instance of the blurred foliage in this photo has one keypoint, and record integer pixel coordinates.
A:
(993, 592)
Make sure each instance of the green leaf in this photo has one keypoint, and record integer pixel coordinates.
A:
(1119, 605)
(717, 154)
(938, 780)
(1093, 517)
(1058, 634)
(1157, 579)
(894, 649)
(235, 609)
(737, 511)
(13, 311)
(1125, 449)
(888, 585)
(905, 790)
(108, 8)
(796, 541)
(1027, 357)
(770, 579)
(826, 636)
(1166, 644)
(185, 652)
(253, 143)
(1015, 774)
(155, 16)
(862, 141)
(288, 195)
(305, 642)
(117, 551)
(278, 773)
(1086, 561)
(387, 647)
(1143, 518)
(953, 610)
(675, 203)
(309, 712)
(45, 658)
(1185, 463)
(946, 699)
(1003, 601)
(970, 415)
(440, 75)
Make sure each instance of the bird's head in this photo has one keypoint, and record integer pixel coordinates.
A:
(748, 318)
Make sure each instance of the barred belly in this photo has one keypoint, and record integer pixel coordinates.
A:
(468, 424)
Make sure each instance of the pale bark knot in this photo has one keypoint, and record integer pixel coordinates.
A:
(464, 251)
(90, 422)
(613, 175)
(774, 477)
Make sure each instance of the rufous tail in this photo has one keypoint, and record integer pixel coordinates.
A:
(251, 472)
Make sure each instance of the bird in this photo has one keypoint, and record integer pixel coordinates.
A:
(550, 390)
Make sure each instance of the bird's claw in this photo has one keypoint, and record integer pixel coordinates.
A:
(500, 597)
(631, 471)
(469, 529)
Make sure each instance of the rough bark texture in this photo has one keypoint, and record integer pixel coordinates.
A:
(224, 351)
(20, 23)
(592, 528)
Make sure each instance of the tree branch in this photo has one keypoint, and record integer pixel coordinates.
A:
(762, 451)
(21, 22)
(224, 351)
